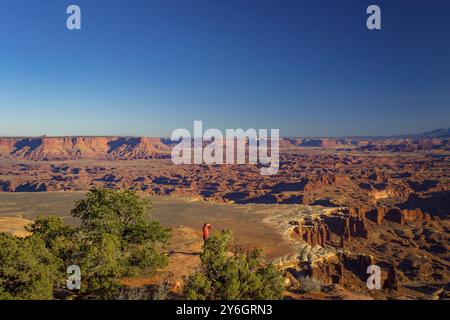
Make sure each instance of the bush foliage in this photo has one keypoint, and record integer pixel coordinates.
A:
(241, 275)
(27, 269)
(116, 238)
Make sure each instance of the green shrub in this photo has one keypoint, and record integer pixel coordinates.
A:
(27, 268)
(232, 276)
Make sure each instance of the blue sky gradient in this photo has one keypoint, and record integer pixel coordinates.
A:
(147, 67)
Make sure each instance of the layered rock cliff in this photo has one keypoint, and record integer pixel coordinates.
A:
(74, 148)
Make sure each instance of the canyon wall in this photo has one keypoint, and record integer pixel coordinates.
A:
(74, 148)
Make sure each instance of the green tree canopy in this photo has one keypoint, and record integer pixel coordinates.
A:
(27, 268)
(125, 215)
(122, 213)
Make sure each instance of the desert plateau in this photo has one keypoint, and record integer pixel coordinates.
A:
(336, 206)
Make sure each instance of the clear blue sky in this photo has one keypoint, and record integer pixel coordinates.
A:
(147, 67)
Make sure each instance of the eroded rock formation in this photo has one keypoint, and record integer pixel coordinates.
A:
(73, 148)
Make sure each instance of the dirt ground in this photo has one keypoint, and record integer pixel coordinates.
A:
(245, 221)
(14, 225)
(184, 257)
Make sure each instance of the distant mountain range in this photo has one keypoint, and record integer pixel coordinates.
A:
(439, 133)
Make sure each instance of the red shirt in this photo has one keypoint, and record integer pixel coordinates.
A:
(206, 228)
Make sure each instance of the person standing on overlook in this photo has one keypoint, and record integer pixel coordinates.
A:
(206, 229)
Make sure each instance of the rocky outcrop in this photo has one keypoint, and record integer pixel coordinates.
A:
(312, 231)
(328, 270)
(349, 269)
(335, 228)
(388, 144)
(435, 203)
(391, 281)
(324, 180)
(405, 215)
(357, 264)
(339, 227)
(317, 142)
(346, 225)
(406, 145)
(393, 214)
